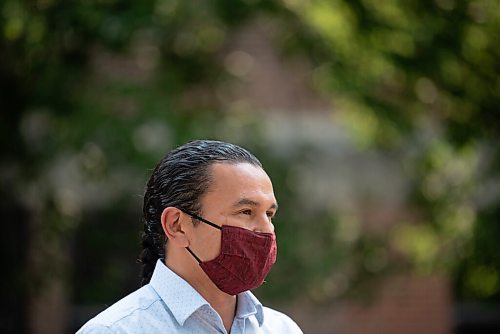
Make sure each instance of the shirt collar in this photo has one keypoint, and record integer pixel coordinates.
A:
(174, 291)
(249, 305)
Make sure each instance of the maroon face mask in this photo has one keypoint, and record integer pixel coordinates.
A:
(245, 258)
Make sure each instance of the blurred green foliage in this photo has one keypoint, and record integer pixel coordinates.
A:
(93, 93)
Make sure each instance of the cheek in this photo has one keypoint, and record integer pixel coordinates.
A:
(214, 247)
(209, 245)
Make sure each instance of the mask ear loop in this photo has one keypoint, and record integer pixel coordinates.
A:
(191, 252)
(203, 220)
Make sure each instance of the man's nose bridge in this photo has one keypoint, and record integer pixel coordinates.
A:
(264, 224)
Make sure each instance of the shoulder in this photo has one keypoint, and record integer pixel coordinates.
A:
(279, 322)
(128, 315)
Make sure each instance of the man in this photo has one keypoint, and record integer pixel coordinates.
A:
(208, 239)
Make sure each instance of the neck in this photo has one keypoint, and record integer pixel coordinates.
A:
(225, 306)
(186, 267)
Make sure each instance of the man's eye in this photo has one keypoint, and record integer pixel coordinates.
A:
(246, 212)
(270, 214)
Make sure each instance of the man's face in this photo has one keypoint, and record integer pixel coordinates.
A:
(239, 195)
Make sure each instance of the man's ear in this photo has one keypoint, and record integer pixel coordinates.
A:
(171, 223)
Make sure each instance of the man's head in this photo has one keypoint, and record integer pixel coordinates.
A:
(180, 180)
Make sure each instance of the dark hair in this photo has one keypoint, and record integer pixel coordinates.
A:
(179, 180)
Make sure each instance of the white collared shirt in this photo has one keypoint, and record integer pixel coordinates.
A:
(168, 304)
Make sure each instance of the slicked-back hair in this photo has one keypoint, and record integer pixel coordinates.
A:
(179, 180)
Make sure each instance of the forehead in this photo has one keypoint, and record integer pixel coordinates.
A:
(231, 183)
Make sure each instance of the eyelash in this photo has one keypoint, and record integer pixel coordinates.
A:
(249, 212)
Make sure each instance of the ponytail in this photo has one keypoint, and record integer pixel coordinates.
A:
(153, 248)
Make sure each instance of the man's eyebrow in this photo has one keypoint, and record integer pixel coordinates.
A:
(247, 201)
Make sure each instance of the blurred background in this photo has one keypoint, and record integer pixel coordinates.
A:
(378, 122)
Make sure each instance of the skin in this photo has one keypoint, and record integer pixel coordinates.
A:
(240, 195)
